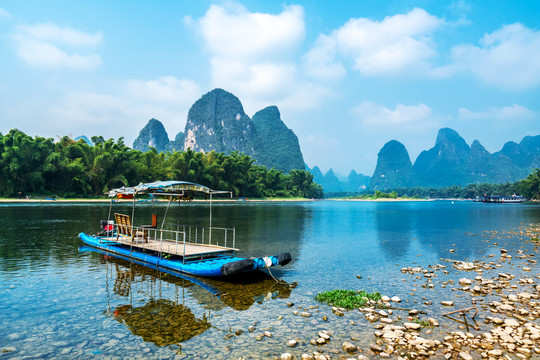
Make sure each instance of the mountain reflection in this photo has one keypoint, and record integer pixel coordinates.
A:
(395, 228)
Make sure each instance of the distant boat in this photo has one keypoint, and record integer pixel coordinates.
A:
(514, 199)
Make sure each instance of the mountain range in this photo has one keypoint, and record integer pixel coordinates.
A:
(217, 122)
(453, 162)
(331, 183)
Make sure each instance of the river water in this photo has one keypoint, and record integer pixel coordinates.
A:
(59, 299)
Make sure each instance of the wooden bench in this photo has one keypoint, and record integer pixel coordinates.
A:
(124, 228)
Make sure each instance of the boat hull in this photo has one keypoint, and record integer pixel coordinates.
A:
(214, 267)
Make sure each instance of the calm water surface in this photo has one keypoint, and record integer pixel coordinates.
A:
(60, 300)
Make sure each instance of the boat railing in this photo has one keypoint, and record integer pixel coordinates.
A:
(178, 236)
(205, 235)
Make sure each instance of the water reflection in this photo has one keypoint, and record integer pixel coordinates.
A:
(160, 306)
(395, 228)
(162, 322)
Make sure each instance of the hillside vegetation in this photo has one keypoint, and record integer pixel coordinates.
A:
(68, 168)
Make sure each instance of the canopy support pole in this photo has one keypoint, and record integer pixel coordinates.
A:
(110, 209)
(132, 221)
(166, 211)
(210, 230)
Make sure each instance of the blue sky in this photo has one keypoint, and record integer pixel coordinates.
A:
(347, 76)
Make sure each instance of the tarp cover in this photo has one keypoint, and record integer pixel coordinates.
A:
(171, 187)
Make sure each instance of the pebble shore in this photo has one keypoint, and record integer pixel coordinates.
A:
(511, 330)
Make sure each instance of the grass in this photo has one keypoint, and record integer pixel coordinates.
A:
(348, 299)
(423, 323)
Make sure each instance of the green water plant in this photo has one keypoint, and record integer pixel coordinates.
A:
(348, 299)
(423, 323)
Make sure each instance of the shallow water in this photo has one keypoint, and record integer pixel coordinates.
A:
(59, 300)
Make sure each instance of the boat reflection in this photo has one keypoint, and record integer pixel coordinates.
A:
(161, 306)
(162, 322)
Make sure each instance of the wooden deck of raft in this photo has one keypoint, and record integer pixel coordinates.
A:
(170, 247)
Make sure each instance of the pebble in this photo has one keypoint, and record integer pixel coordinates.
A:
(348, 347)
(324, 335)
(292, 343)
(412, 326)
(286, 356)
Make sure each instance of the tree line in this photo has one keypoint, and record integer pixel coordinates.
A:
(42, 167)
(528, 187)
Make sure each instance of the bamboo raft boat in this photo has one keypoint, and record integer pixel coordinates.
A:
(196, 250)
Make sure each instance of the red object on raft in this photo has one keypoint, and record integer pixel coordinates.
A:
(125, 196)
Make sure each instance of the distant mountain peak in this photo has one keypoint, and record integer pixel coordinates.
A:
(152, 135)
(85, 139)
(394, 168)
(276, 145)
(217, 122)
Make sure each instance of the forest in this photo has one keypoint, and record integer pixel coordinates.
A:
(38, 167)
(528, 187)
(66, 168)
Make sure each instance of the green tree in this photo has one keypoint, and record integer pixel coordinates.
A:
(530, 186)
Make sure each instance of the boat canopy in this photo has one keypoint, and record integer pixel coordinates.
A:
(166, 188)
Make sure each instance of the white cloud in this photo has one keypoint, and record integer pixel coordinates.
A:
(47, 45)
(320, 62)
(253, 56)
(167, 90)
(111, 115)
(119, 110)
(508, 58)
(461, 8)
(52, 33)
(507, 113)
(237, 33)
(4, 14)
(403, 117)
(394, 45)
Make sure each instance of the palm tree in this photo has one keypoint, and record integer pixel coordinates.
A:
(530, 186)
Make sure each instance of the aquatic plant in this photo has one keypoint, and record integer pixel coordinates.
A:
(348, 299)
(423, 323)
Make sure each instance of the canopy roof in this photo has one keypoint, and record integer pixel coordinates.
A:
(171, 187)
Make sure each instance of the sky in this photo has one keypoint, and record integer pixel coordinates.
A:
(347, 76)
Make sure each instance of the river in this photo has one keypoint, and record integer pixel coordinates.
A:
(58, 299)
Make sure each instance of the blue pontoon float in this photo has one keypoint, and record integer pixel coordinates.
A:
(195, 250)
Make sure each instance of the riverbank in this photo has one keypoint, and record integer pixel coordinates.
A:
(74, 201)
(500, 319)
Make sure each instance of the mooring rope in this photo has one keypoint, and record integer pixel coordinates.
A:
(272, 275)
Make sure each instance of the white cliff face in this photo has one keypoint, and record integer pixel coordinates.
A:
(217, 122)
(190, 140)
